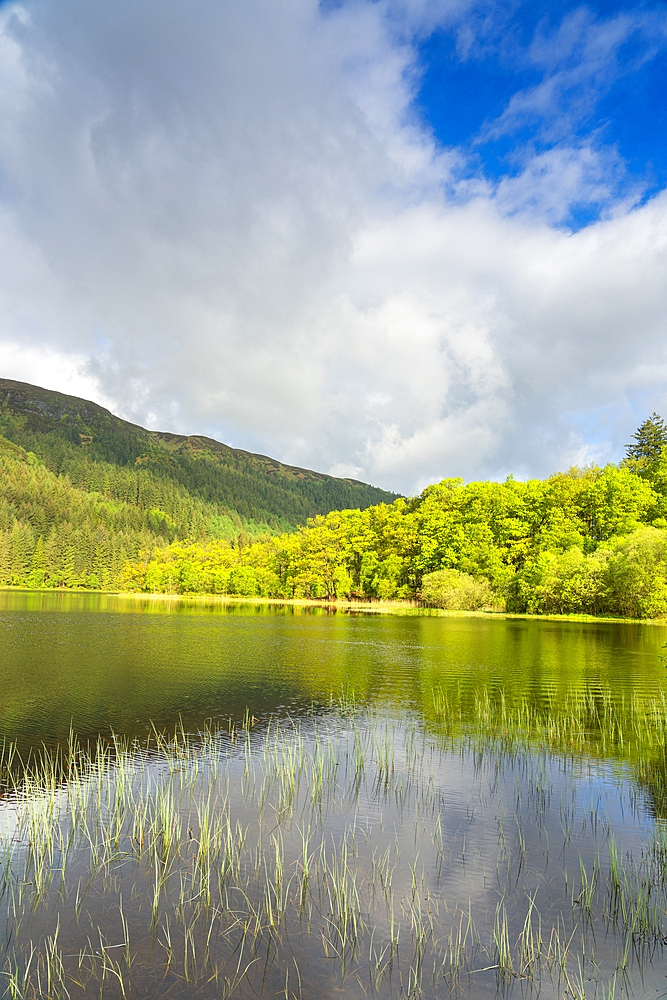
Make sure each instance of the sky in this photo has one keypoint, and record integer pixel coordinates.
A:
(397, 240)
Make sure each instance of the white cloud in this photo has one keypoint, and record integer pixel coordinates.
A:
(52, 370)
(559, 180)
(227, 219)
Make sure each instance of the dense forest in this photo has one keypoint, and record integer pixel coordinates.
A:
(53, 533)
(98, 452)
(82, 491)
(87, 500)
(590, 540)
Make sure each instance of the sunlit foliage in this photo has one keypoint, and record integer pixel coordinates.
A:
(587, 541)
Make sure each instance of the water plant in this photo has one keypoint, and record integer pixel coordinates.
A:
(349, 850)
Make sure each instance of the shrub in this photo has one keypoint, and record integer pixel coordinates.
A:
(636, 574)
(455, 591)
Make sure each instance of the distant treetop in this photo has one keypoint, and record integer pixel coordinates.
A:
(650, 439)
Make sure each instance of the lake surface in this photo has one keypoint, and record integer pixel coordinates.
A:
(100, 663)
(209, 800)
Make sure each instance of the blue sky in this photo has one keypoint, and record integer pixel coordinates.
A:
(394, 239)
(586, 74)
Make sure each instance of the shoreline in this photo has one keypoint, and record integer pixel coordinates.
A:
(384, 607)
(387, 607)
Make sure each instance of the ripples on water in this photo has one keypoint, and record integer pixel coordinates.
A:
(454, 826)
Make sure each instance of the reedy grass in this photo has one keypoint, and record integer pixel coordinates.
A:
(596, 722)
(229, 846)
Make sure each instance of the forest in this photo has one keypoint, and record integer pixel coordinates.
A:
(83, 492)
(96, 451)
(587, 541)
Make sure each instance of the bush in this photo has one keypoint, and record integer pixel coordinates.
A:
(636, 574)
(455, 591)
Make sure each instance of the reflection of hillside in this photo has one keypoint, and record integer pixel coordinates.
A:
(50, 770)
(111, 668)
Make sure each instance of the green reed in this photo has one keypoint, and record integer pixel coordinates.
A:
(222, 849)
(593, 722)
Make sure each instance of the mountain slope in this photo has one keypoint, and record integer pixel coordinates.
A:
(53, 534)
(102, 453)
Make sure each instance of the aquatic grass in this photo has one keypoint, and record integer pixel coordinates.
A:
(502, 950)
(223, 852)
(596, 723)
(586, 894)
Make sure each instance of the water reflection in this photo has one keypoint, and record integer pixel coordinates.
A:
(354, 854)
(100, 663)
(379, 805)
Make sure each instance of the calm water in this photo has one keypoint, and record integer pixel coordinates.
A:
(357, 805)
(100, 663)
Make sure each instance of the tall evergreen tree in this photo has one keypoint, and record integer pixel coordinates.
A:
(649, 440)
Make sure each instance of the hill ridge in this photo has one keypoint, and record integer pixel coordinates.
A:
(63, 430)
(12, 388)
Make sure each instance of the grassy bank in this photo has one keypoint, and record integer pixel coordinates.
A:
(372, 606)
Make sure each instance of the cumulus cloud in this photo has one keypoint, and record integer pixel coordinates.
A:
(229, 219)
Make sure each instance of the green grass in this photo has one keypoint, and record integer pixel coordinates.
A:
(326, 854)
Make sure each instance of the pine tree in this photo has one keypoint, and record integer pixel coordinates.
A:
(650, 439)
(38, 566)
(5, 559)
(22, 541)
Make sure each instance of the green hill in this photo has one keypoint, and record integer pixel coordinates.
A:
(82, 491)
(78, 437)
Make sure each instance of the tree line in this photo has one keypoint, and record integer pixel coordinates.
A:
(590, 541)
(80, 528)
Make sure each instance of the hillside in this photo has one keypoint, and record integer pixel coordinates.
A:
(102, 453)
(89, 500)
(53, 534)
